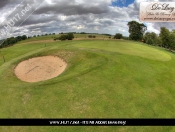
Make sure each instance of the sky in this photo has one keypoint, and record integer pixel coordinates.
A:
(121, 3)
(93, 16)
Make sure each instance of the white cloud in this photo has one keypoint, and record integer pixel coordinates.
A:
(79, 27)
(85, 15)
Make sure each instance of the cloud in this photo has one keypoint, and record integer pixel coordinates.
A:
(68, 8)
(5, 3)
(78, 15)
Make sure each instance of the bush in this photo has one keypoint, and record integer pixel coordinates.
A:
(118, 36)
(70, 36)
(90, 36)
(63, 37)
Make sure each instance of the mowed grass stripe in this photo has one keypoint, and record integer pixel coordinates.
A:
(131, 48)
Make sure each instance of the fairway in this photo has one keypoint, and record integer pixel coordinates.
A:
(103, 79)
(135, 49)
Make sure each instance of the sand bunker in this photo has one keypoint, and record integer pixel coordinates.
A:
(40, 68)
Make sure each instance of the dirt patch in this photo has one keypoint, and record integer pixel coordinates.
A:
(40, 68)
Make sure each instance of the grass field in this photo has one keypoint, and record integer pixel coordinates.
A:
(104, 79)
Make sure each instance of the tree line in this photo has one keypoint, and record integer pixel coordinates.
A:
(165, 39)
(12, 40)
(68, 36)
(137, 31)
(42, 35)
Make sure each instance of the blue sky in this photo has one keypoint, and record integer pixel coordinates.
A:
(122, 3)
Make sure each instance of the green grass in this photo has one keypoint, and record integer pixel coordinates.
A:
(136, 49)
(104, 79)
(51, 37)
(86, 35)
(40, 38)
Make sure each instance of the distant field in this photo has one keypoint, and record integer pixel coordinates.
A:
(103, 79)
(51, 37)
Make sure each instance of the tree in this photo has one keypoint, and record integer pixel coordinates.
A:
(24, 37)
(172, 40)
(150, 38)
(136, 30)
(19, 38)
(70, 36)
(12, 40)
(118, 36)
(158, 41)
(165, 37)
(9, 41)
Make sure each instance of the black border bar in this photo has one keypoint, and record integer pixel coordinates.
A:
(87, 122)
